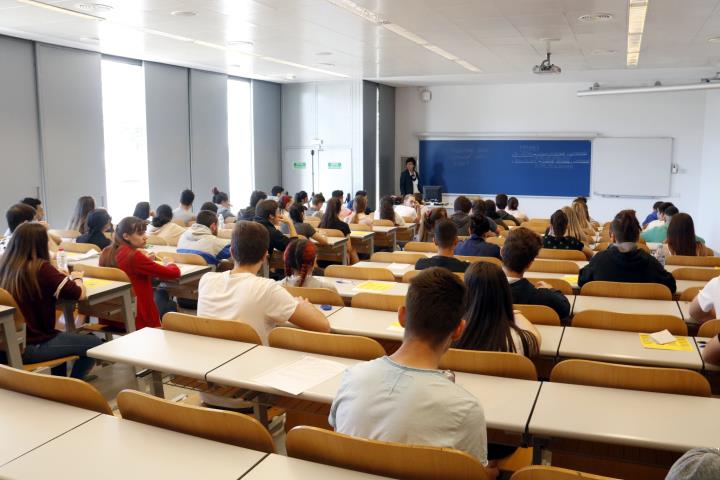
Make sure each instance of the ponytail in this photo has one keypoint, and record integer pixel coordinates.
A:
(299, 256)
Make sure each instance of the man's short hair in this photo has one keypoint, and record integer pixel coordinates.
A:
(33, 202)
(362, 193)
(671, 210)
(187, 197)
(664, 206)
(249, 243)
(479, 225)
(266, 208)
(521, 247)
(435, 304)
(501, 201)
(209, 207)
(657, 204)
(337, 194)
(446, 233)
(276, 190)
(206, 217)
(317, 199)
(410, 160)
(462, 204)
(19, 214)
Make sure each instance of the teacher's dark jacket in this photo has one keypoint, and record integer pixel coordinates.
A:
(406, 184)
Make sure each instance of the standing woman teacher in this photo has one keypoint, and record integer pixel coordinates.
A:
(410, 178)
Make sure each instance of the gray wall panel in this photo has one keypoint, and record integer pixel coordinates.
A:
(369, 126)
(387, 141)
(71, 122)
(168, 132)
(267, 136)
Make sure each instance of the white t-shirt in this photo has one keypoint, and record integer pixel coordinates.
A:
(655, 223)
(405, 211)
(310, 282)
(709, 296)
(257, 301)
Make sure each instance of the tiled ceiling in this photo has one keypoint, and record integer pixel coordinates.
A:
(503, 38)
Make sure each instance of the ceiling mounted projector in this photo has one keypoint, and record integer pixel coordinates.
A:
(546, 67)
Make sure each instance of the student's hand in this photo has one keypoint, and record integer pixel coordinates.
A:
(284, 219)
(542, 284)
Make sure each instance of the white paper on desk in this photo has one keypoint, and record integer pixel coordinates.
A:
(400, 268)
(301, 375)
(662, 337)
(73, 256)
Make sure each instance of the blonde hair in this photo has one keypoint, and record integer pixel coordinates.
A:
(582, 214)
(574, 227)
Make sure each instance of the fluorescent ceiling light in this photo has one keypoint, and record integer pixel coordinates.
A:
(637, 11)
(659, 88)
(378, 20)
(56, 9)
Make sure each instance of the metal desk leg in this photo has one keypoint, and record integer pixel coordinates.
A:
(69, 314)
(128, 314)
(157, 385)
(393, 241)
(9, 336)
(371, 243)
(344, 253)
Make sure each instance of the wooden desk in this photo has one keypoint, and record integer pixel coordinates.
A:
(700, 342)
(397, 273)
(363, 241)
(559, 276)
(386, 235)
(10, 337)
(626, 417)
(345, 287)
(623, 347)
(682, 285)
(551, 336)
(281, 467)
(367, 323)
(123, 449)
(626, 305)
(336, 246)
(110, 290)
(28, 422)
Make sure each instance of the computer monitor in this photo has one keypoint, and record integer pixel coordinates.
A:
(432, 193)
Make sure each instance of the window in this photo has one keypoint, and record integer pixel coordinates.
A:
(239, 110)
(126, 163)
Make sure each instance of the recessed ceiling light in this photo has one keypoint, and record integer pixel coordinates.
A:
(715, 39)
(323, 54)
(596, 17)
(240, 43)
(93, 7)
(601, 52)
(183, 13)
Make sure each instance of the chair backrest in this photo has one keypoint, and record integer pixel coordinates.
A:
(413, 273)
(359, 273)
(346, 346)
(383, 223)
(7, 299)
(709, 328)
(184, 258)
(472, 259)
(629, 322)
(318, 296)
(210, 327)
(539, 228)
(496, 364)
(499, 241)
(70, 391)
(331, 232)
(650, 291)
(314, 221)
(72, 234)
(543, 472)
(398, 460)
(631, 377)
(360, 227)
(377, 301)
(692, 261)
(392, 257)
(539, 314)
(554, 266)
(156, 240)
(79, 247)
(553, 254)
(409, 220)
(542, 221)
(700, 274)
(556, 283)
(218, 425)
(426, 247)
(689, 294)
(105, 273)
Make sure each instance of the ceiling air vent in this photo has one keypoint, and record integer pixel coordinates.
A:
(596, 17)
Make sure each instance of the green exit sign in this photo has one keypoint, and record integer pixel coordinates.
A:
(299, 165)
(334, 165)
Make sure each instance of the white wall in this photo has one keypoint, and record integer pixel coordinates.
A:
(553, 108)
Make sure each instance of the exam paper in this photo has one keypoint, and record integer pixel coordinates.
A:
(400, 268)
(301, 375)
(662, 337)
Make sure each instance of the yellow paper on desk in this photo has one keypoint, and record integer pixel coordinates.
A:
(571, 279)
(396, 327)
(681, 344)
(358, 233)
(96, 282)
(371, 286)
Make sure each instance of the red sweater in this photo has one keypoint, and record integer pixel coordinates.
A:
(141, 271)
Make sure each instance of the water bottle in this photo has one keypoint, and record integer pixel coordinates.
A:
(221, 221)
(61, 259)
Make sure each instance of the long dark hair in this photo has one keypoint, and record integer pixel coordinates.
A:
(428, 224)
(681, 235)
(490, 313)
(26, 252)
(387, 212)
(299, 258)
(359, 206)
(97, 220)
(163, 215)
(332, 210)
(142, 210)
(129, 226)
(82, 208)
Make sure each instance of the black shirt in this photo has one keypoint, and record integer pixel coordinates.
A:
(525, 293)
(635, 266)
(96, 238)
(278, 241)
(562, 243)
(247, 214)
(477, 247)
(338, 224)
(451, 263)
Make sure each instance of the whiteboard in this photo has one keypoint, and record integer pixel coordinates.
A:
(632, 167)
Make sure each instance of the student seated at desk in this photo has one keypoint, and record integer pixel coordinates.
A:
(556, 238)
(512, 208)
(301, 198)
(521, 247)
(36, 285)
(142, 211)
(358, 214)
(162, 225)
(300, 261)
(661, 220)
(344, 211)
(249, 213)
(501, 201)
(429, 220)
(83, 206)
(446, 241)
(679, 235)
(492, 325)
(183, 212)
(492, 213)
(696, 464)
(222, 201)
(36, 203)
(653, 215)
(476, 246)
(461, 216)
(316, 206)
(98, 222)
(405, 397)
(297, 215)
(623, 261)
(409, 208)
(331, 220)
(240, 294)
(387, 212)
(201, 239)
(15, 216)
(480, 210)
(267, 214)
(126, 253)
(575, 228)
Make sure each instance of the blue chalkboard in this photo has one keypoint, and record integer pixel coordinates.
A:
(555, 168)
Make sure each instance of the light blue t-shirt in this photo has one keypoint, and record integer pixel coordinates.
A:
(383, 400)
